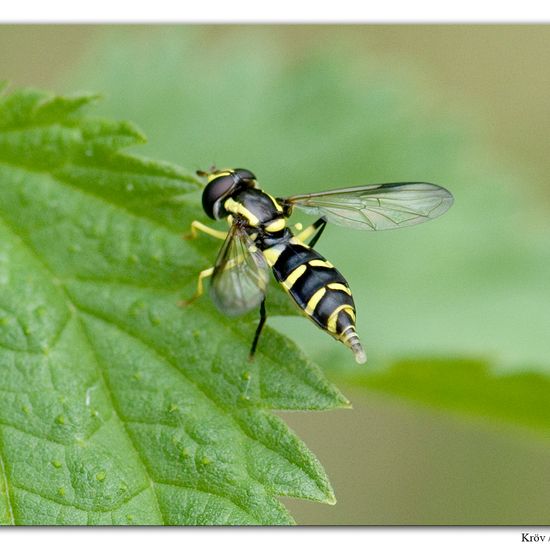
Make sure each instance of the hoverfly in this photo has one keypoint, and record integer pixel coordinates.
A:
(259, 240)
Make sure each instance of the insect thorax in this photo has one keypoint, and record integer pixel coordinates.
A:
(258, 209)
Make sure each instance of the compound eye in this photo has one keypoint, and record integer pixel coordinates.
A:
(244, 174)
(217, 189)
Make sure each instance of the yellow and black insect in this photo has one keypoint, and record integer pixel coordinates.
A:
(259, 240)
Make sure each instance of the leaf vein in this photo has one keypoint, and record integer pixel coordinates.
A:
(116, 410)
(207, 492)
(76, 506)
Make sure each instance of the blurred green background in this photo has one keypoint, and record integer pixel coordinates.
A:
(450, 422)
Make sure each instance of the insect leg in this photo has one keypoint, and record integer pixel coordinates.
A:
(316, 229)
(200, 287)
(263, 317)
(197, 226)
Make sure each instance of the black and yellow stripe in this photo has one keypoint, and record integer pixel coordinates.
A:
(318, 288)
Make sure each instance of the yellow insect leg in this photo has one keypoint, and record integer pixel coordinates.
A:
(200, 287)
(197, 226)
(306, 233)
(315, 229)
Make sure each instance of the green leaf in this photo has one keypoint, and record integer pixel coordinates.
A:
(118, 406)
(466, 386)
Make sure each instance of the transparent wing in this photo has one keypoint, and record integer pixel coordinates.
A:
(241, 274)
(377, 207)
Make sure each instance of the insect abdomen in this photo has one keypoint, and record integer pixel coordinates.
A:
(319, 290)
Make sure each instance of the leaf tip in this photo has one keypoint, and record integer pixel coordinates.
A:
(132, 130)
(342, 402)
(86, 97)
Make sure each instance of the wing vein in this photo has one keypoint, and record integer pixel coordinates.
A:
(377, 207)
